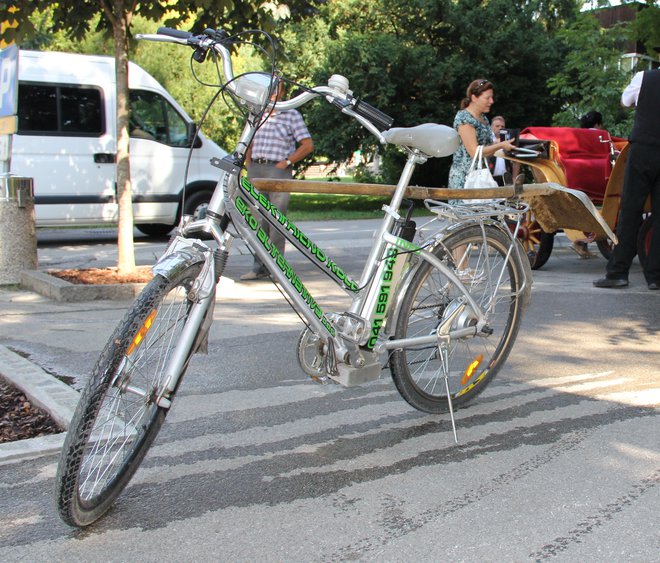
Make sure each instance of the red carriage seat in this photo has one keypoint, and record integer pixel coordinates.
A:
(585, 155)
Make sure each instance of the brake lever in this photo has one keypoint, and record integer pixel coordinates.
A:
(200, 54)
(219, 36)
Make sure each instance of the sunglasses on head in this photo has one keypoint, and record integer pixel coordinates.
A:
(480, 87)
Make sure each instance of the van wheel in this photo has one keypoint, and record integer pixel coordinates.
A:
(196, 204)
(154, 229)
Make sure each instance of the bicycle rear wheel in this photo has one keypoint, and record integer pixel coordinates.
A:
(117, 418)
(494, 281)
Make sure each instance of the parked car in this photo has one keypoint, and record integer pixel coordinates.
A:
(67, 142)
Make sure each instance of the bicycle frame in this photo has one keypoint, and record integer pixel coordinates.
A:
(355, 345)
(374, 297)
(442, 310)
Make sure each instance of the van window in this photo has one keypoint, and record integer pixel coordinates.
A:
(59, 110)
(152, 116)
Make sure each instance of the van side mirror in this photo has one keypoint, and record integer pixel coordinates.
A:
(191, 128)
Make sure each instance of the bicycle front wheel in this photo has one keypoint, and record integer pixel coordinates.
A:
(465, 365)
(117, 417)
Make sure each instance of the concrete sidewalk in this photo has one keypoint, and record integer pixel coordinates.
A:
(41, 338)
(48, 319)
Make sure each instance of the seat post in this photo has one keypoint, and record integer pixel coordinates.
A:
(387, 224)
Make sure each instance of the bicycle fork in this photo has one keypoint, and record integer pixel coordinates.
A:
(183, 253)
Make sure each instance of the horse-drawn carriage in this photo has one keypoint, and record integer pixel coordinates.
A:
(587, 160)
(575, 172)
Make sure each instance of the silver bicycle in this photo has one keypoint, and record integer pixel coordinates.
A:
(440, 305)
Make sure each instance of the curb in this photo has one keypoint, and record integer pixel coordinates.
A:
(48, 393)
(62, 290)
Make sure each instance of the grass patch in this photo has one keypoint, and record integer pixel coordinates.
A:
(318, 207)
(338, 207)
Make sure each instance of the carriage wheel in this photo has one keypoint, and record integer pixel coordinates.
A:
(536, 242)
(605, 247)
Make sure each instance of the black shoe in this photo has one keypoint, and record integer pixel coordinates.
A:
(610, 282)
(654, 285)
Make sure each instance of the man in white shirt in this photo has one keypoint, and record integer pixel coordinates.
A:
(500, 168)
(641, 179)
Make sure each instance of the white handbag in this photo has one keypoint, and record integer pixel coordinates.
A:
(479, 175)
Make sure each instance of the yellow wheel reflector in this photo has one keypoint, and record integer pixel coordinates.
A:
(469, 372)
(139, 337)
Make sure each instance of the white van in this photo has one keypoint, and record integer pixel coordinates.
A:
(66, 141)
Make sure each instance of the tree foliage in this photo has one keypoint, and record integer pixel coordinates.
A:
(647, 29)
(413, 59)
(591, 77)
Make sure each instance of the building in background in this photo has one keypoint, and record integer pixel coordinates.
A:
(634, 55)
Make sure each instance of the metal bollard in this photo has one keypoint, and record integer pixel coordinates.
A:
(18, 234)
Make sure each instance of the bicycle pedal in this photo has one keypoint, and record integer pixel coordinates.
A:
(320, 379)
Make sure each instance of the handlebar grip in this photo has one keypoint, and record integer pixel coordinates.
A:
(174, 33)
(381, 120)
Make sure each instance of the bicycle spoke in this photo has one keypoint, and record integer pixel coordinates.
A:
(461, 364)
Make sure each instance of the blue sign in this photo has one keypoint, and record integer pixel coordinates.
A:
(9, 81)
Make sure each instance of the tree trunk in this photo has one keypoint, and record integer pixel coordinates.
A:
(125, 249)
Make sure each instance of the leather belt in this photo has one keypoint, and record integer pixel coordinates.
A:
(264, 161)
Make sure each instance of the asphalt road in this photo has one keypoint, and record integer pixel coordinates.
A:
(559, 459)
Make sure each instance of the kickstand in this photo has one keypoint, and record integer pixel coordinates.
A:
(445, 366)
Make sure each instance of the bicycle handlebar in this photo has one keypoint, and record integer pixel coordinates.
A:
(177, 33)
(372, 114)
(252, 87)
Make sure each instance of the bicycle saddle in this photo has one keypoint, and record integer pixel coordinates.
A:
(431, 139)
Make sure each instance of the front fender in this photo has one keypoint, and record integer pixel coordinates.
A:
(180, 255)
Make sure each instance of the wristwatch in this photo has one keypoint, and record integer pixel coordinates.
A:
(288, 162)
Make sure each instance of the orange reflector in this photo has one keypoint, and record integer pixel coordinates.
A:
(469, 372)
(142, 332)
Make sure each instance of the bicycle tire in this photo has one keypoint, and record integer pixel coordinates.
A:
(114, 426)
(418, 373)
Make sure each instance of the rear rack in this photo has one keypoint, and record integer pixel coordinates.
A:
(476, 209)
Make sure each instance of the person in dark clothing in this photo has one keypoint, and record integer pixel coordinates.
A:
(641, 179)
(592, 120)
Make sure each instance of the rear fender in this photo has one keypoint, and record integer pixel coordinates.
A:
(434, 245)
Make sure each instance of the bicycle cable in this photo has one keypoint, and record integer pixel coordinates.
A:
(223, 90)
